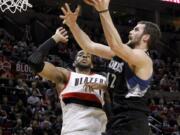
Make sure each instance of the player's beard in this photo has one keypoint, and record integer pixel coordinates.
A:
(133, 44)
(130, 44)
(82, 66)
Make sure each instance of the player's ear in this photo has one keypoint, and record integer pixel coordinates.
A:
(146, 37)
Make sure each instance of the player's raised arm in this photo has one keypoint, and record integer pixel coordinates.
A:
(46, 69)
(112, 36)
(81, 37)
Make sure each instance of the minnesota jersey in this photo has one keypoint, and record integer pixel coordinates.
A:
(126, 89)
(82, 108)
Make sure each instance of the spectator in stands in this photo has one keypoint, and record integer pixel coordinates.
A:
(19, 106)
(5, 104)
(3, 116)
(29, 131)
(34, 88)
(18, 129)
(164, 83)
(20, 85)
(33, 99)
(36, 129)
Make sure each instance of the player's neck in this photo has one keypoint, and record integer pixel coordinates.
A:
(83, 71)
(142, 47)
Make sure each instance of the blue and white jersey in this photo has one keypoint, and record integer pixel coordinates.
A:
(123, 81)
(136, 86)
(126, 89)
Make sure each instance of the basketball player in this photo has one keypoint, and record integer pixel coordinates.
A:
(130, 69)
(81, 107)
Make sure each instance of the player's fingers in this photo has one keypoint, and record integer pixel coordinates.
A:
(67, 37)
(58, 29)
(95, 1)
(62, 30)
(64, 33)
(78, 9)
(64, 10)
(88, 2)
(62, 16)
(68, 8)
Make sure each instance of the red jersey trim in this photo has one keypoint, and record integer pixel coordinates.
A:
(81, 96)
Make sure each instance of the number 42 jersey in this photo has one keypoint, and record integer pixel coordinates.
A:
(126, 89)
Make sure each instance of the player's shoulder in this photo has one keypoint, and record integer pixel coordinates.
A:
(66, 72)
(62, 69)
(142, 53)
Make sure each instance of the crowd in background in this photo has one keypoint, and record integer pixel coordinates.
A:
(30, 105)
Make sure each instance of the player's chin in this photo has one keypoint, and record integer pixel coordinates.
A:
(85, 65)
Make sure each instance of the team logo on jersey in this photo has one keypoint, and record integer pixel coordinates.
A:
(83, 80)
(117, 66)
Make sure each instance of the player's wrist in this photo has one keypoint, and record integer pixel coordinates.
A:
(103, 11)
(72, 24)
(56, 38)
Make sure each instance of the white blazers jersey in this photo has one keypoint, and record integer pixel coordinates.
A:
(82, 109)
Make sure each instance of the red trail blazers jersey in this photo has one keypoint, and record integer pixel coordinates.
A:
(82, 109)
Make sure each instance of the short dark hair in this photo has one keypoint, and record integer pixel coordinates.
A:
(92, 56)
(154, 31)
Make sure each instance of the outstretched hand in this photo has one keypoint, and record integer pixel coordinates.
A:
(60, 35)
(69, 17)
(95, 86)
(99, 5)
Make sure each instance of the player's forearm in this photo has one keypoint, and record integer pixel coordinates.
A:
(111, 34)
(81, 37)
(45, 47)
(36, 60)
